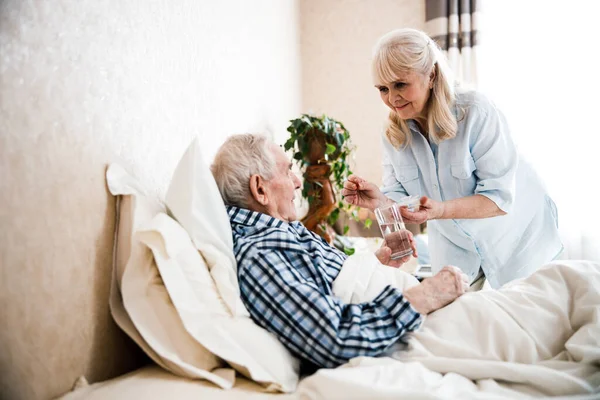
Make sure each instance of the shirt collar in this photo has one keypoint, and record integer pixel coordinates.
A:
(412, 124)
(253, 218)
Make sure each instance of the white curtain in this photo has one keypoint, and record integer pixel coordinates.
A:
(539, 65)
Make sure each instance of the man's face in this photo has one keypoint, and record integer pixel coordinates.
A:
(281, 189)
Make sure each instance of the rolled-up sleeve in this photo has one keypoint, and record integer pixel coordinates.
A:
(495, 156)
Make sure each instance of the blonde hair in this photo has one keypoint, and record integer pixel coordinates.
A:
(410, 50)
(240, 157)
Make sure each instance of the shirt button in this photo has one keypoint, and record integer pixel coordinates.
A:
(435, 186)
(464, 174)
(402, 177)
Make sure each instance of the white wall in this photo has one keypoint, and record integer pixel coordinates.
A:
(134, 68)
(337, 40)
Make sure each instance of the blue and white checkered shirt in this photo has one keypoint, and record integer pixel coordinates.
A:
(286, 273)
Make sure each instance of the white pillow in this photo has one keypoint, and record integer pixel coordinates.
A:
(363, 278)
(194, 199)
(250, 349)
(139, 301)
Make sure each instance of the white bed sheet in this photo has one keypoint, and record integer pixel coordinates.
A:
(538, 337)
(535, 337)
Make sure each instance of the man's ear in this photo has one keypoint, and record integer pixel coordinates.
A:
(258, 190)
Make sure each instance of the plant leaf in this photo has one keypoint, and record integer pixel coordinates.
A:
(333, 217)
(349, 251)
(289, 143)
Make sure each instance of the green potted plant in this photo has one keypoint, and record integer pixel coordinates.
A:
(322, 150)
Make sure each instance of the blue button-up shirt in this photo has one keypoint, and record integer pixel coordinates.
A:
(285, 274)
(482, 159)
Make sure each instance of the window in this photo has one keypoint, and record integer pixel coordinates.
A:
(539, 64)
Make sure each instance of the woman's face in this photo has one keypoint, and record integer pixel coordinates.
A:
(407, 96)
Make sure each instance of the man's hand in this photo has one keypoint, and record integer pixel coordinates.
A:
(361, 193)
(384, 253)
(438, 291)
(428, 210)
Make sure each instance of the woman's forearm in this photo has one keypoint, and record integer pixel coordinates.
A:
(476, 206)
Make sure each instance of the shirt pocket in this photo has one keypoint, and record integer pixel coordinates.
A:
(464, 178)
(408, 176)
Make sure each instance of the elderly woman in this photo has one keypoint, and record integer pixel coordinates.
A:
(487, 210)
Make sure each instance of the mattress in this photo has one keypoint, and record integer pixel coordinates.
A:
(154, 383)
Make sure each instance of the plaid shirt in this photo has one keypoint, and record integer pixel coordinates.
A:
(286, 273)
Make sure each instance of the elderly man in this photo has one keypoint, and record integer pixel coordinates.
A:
(286, 272)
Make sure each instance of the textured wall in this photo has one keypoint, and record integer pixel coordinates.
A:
(337, 39)
(87, 82)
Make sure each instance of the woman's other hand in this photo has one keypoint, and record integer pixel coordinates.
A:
(361, 193)
(429, 209)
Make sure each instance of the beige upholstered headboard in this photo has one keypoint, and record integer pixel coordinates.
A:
(85, 83)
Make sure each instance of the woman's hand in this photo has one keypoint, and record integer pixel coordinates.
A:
(361, 193)
(384, 253)
(429, 209)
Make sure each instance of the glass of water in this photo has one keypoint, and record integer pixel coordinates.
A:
(395, 234)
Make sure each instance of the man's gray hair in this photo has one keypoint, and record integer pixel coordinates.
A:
(240, 157)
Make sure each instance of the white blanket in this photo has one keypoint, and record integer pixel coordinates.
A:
(539, 336)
